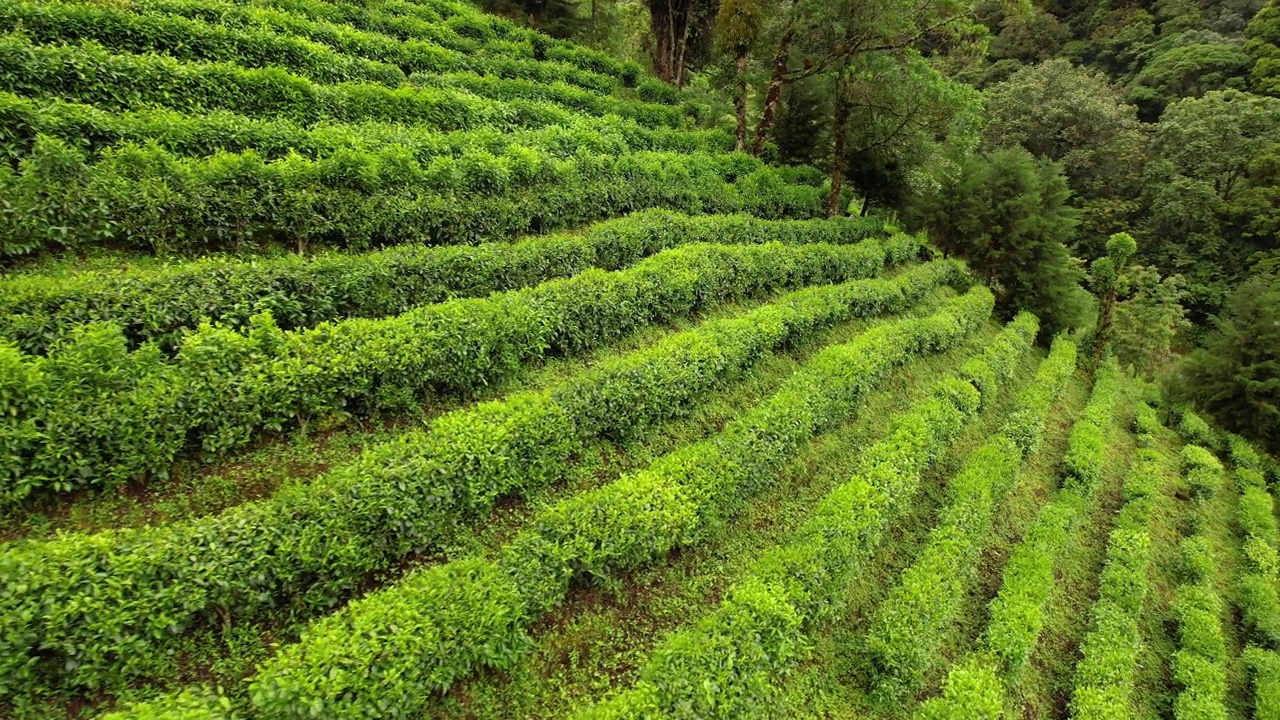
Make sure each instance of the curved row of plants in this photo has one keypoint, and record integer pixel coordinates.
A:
(123, 30)
(162, 303)
(1199, 665)
(1105, 675)
(910, 626)
(759, 630)
(404, 32)
(129, 82)
(92, 130)
(91, 413)
(148, 199)
(110, 606)
(977, 687)
(321, 52)
(1258, 583)
(387, 652)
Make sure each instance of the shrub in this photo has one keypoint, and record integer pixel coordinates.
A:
(1104, 679)
(1017, 612)
(317, 541)
(741, 654)
(973, 691)
(911, 623)
(1196, 430)
(1203, 471)
(675, 502)
(192, 704)
(1264, 666)
(165, 302)
(223, 385)
(1087, 444)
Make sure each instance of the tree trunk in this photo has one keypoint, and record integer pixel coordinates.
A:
(683, 46)
(1103, 334)
(669, 22)
(740, 98)
(774, 94)
(839, 129)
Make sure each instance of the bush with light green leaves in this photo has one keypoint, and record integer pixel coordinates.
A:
(318, 540)
(387, 652)
(911, 624)
(758, 632)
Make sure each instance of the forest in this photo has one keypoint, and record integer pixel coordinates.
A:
(832, 359)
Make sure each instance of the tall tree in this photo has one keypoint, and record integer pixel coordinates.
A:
(1207, 185)
(677, 26)
(1236, 374)
(737, 27)
(1081, 121)
(1008, 216)
(1188, 71)
(821, 38)
(1263, 44)
(903, 121)
(1105, 276)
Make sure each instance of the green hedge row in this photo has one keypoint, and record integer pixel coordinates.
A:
(910, 626)
(92, 130)
(427, 34)
(163, 302)
(727, 664)
(1196, 430)
(1259, 597)
(1257, 593)
(975, 688)
(384, 655)
(198, 703)
(1146, 423)
(1243, 454)
(1199, 665)
(1203, 472)
(130, 82)
(150, 200)
(1264, 667)
(322, 52)
(1017, 613)
(1087, 445)
(92, 413)
(125, 31)
(558, 93)
(318, 541)
(973, 691)
(1105, 676)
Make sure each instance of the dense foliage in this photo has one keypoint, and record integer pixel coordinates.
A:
(636, 359)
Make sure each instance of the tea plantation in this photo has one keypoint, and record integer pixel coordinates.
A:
(387, 359)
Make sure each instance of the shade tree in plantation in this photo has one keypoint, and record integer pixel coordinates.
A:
(1149, 320)
(1104, 276)
(1007, 215)
(737, 29)
(1082, 122)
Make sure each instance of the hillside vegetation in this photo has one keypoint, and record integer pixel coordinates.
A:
(396, 359)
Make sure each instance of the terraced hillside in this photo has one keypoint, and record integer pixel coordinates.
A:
(386, 359)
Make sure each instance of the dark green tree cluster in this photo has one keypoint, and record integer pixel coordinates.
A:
(1008, 215)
